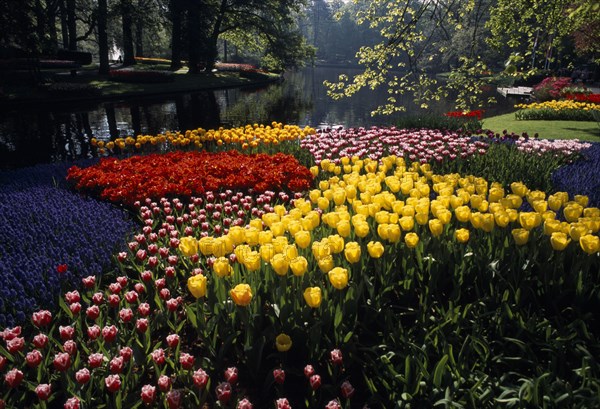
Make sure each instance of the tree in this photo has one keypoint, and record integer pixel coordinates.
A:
(412, 34)
(103, 37)
(127, 23)
(532, 29)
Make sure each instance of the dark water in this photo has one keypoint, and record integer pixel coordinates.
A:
(51, 133)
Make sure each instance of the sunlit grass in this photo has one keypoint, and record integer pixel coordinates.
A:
(582, 130)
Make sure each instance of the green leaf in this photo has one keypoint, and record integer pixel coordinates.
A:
(439, 371)
(192, 316)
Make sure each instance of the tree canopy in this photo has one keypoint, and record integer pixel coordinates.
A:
(466, 38)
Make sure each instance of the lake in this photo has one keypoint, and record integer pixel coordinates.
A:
(59, 132)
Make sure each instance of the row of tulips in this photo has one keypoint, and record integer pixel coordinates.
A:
(356, 269)
(246, 137)
(557, 110)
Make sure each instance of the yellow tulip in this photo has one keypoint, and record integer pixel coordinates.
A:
(577, 230)
(188, 246)
(591, 212)
(462, 213)
(280, 264)
(495, 194)
(241, 295)
(590, 243)
(314, 170)
(312, 296)
(299, 265)
(303, 239)
(407, 223)
(206, 244)
(221, 267)
(323, 203)
(521, 236)
(572, 212)
(343, 228)
(339, 196)
(444, 216)
(559, 240)
(436, 227)
(476, 220)
(280, 243)
(375, 249)
(394, 233)
(252, 236)
(283, 342)
(338, 277)
(256, 224)
(411, 239)
(270, 218)
(362, 229)
(530, 220)
(519, 189)
(540, 206)
(252, 260)
(582, 200)
(267, 251)
(197, 285)
(422, 218)
(487, 222)
(352, 252)
(501, 218)
(554, 202)
(314, 195)
(237, 234)
(325, 264)
(462, 235)
(551, 226)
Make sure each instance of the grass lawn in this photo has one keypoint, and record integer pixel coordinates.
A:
(582, 130)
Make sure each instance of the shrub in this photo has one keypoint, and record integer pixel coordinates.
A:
(551, 88)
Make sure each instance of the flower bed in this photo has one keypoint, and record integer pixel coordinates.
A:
(186, 174)
(388, 282)
(581, 97)
(249, 137)
(382, 270)
(44, 227)
(138, 76)
(417, 145)
(565, 110)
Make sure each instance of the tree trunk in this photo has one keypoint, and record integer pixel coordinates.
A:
(72, 25)
(194, 37)
(64, 27)
(176, 46)
(127, 19)
(51, 26)
(139, 30)
(102, 37)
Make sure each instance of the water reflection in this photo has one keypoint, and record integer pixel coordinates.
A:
(53, 133)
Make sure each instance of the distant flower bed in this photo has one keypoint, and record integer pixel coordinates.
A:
(131, 75)
(222, 66)
(566, 110)
(422, 145)
(551, 88)
(147, 60)
(559, 147)
(50, 236)
(245, 137)
(581, 97)
(185, 174)
(466, 114)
